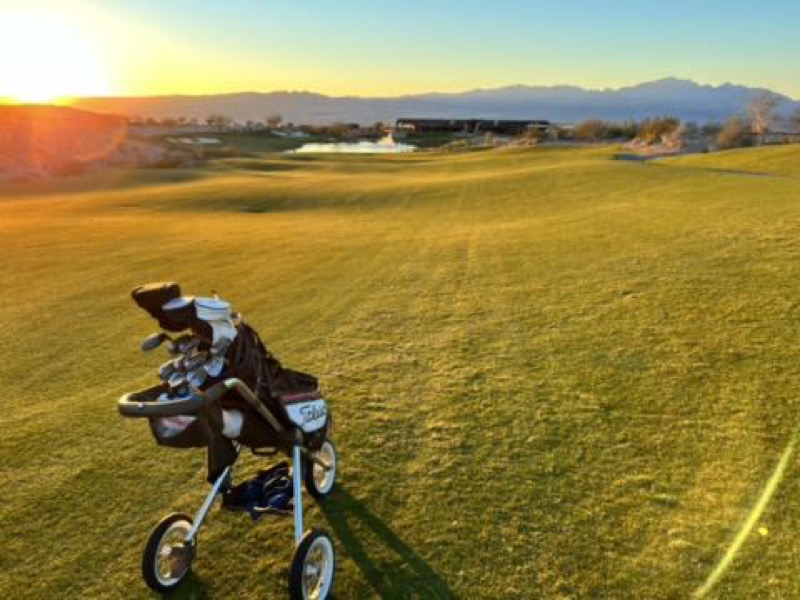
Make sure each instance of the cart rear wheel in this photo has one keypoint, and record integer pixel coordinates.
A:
(319, 480)
(167, 559)
(313, 567)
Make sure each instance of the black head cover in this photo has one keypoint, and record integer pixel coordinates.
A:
(152, 297)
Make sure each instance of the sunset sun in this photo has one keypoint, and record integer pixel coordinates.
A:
(44, 58)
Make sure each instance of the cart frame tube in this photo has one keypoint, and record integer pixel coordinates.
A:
(297, 479)
(202, 513)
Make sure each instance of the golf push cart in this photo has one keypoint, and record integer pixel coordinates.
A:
(223, 390)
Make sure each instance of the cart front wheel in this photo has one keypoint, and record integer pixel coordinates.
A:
(320, 480)
(313, 567)
(167, 558)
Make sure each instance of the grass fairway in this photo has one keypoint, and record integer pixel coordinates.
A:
(553, 374)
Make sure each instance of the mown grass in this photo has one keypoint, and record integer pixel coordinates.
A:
(554, 374)
(769, 160)
(261, 142)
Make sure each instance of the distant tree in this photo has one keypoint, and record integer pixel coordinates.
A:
(219, 121)
(273, 121)
(378, 127)
(169, 122)
(691, 133)
(761, 112)
(735, 133)
(591, 129)
(711, 130)
(691, 128)
(613, 131)
(342, 129)
(630, 129)
(674, 138)
(596, 129)
(533, 135)
(658, 129)
(624, 130)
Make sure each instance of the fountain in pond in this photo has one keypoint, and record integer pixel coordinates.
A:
(385, 145)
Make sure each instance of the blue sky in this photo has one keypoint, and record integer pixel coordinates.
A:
(389, 48)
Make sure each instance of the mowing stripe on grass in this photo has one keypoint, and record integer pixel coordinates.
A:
(752, 518)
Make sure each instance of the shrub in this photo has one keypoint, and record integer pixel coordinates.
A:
(654, 130)
(591, 129)
(735, 133)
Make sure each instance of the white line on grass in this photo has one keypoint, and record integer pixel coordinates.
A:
(752, 518)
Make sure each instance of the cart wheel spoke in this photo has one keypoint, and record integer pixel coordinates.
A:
(313, 567)
(167, 559)
(320, 479)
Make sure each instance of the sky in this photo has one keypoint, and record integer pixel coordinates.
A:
(51, 48)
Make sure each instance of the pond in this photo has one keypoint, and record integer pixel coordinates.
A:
(385, 145)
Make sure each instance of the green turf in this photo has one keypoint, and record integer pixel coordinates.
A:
(769, 160)
(259, 142)
(553, 374)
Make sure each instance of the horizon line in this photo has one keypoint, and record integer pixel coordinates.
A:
(67, 99)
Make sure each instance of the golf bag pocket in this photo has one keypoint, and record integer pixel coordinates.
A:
(182, 431)
(188, 431)
(255, 433)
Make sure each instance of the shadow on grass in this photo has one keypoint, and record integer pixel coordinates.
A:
(111, 179)
(410, 576)
(193, 588)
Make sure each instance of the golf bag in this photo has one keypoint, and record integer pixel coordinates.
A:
(220, 346)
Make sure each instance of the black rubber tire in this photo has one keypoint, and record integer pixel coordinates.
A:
(308, 474)
(298, 562)
(151, 550)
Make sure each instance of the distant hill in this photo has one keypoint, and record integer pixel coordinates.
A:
(678, 97)
(39, 141)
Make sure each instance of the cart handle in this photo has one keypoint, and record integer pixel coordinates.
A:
(129, 406)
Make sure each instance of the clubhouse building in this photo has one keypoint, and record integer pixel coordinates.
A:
(471, 126)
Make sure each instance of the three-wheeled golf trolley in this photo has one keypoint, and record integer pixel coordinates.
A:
(224, 391)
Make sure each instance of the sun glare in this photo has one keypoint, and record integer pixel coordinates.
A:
(45, 57)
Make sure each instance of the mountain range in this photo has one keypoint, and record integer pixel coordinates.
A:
(682, 98)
